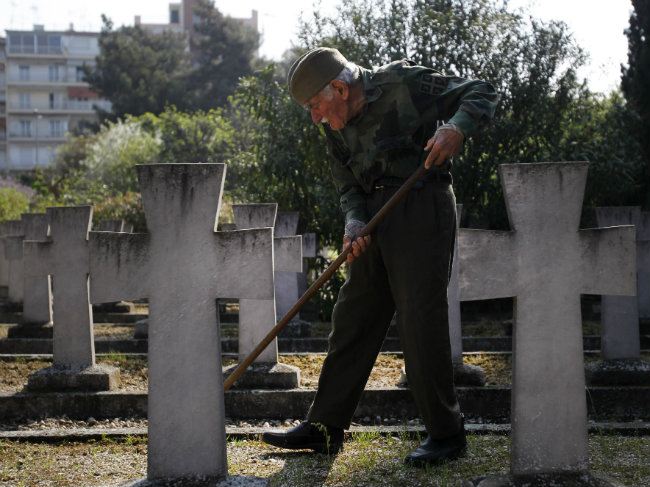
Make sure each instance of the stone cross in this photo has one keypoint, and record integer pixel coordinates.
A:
(34, 292)
(643, 265)
(464, 374)
(10, 227)
(183, 266)
(64, 258)
(287, 290)
(257, 317)
(620, 342)
(545, 262)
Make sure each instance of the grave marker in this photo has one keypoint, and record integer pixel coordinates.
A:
(545, 262)
(621, 362)
(64, 257)
(182, 265)
(34, 292)
(258, 317)
(10, 227)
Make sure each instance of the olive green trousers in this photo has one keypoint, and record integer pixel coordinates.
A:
(405, 270)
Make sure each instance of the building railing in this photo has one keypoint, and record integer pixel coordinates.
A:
(31, 49)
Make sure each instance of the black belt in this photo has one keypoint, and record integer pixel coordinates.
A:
(389, 182)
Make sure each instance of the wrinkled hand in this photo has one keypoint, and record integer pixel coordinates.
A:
(353, 228)
(443, 145)
(358, 246)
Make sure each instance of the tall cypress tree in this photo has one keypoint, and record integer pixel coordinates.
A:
(635, 83)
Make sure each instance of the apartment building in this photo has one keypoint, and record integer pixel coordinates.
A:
(182, 19)
(44, 93)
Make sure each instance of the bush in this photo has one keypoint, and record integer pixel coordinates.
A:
(12, 204)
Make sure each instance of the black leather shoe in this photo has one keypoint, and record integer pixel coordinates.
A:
(307, 436)
(434, 452)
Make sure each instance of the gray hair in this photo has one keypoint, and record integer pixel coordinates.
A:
(350, 75)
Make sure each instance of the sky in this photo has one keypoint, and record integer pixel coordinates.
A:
(597, 25)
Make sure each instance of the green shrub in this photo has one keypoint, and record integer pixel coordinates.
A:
(12, 204)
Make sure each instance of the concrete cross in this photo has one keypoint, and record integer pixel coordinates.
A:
(620, 340)
(620, 314)
(643, 265)
(64, 258)
(182, 266)
(287, 288)
(34, 292)
(10, 227)
(257, 317)
(545, 262)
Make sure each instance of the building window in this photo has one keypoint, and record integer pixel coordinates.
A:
(56, 128)
(80, 74)
(25, 100)
(174, 17)
(54, 44)
(23, 72)
(25, 128)
(54, 101)
(54, 73)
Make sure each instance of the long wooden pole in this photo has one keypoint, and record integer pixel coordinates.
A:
(399, 194)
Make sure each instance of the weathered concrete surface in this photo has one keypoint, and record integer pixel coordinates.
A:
(624, 372)
(285, 345)
(231, 481)
(64, 255)
(479, 404)
(620, 314)
(267, 375)
(546, 263)
(257, 317)
(183, 266)
(10, 227)
(73, 377)
(568, 479)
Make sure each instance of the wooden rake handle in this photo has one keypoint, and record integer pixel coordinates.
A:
(399, 194)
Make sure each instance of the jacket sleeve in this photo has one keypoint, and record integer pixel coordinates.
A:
(470, 104)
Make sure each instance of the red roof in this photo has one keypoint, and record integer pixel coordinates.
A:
(81, 92)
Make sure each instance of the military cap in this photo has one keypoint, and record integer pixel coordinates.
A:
(313, 71)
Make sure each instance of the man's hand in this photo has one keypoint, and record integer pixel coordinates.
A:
(444, 144)
(358, 246)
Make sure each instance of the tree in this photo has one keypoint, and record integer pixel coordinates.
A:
(223, 50)
(635, 83)
(139, 71)
(531, 64)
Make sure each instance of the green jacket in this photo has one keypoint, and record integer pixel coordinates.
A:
(404, 104)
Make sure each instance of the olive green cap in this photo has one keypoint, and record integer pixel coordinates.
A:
(313, 71)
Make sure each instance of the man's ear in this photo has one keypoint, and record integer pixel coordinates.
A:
(340, 88)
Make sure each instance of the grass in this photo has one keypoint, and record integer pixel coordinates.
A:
(367, 459)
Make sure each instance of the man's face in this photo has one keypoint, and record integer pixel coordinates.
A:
(333, 111)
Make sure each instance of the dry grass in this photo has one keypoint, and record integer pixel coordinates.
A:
(134, 369)
(367, 459)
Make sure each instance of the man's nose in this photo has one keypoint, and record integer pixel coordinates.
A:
(315, 116)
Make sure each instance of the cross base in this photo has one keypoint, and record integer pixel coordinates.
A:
(568, 479)
(623, 372)
(31, 330)
(66, 377)
(464, 375)
(232, 481)
(267, 376)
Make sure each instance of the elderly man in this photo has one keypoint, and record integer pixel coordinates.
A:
(380, 126)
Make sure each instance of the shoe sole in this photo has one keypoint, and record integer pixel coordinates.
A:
(423, 462)
(317, 447)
